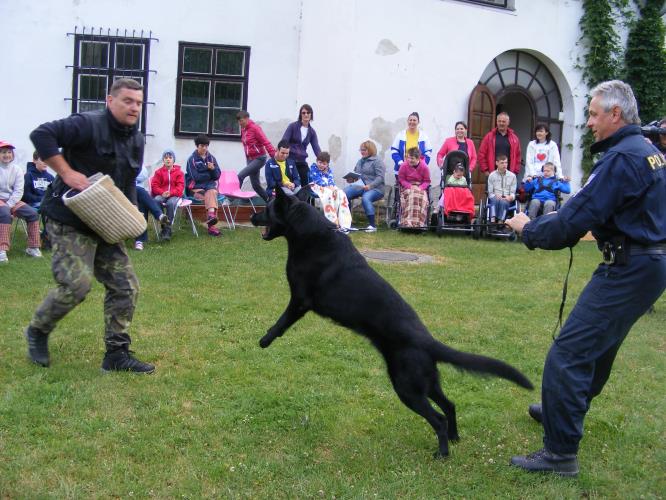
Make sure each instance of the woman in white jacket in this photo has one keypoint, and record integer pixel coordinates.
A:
(541, 151)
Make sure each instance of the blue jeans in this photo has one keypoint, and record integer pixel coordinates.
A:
(367, 197)
(146, 205)
(498, 207)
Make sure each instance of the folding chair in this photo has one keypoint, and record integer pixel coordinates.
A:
(229, 187)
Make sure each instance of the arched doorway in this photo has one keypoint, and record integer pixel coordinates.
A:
(520, 84)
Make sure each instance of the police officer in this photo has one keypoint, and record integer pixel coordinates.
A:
(624, 205)
(106, 141)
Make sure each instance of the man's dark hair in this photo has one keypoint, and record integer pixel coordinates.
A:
(124, 83)
(201, 139)
(324, 156)
(242, 114)
(502, 157)
(35, 156)
(284, 143)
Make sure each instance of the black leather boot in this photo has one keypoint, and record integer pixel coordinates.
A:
(120, 359)
(544, 460)
(535, 412)
(38, 346)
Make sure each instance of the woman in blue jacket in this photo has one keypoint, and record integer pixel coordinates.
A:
(299, 135)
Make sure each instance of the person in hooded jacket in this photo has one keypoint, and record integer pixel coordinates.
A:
(36, 180)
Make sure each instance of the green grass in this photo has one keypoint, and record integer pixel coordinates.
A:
(314, 415)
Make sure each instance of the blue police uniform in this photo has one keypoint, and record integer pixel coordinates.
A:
(624, 205)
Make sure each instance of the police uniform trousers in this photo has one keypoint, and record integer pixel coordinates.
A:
(580, 360)
(77, 258)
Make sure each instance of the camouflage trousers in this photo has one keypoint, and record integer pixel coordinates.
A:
(77, 258)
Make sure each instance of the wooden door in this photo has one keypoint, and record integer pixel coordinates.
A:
(481, 119)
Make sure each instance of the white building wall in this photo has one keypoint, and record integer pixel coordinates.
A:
(363, 65)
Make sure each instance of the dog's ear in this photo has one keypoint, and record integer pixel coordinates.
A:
(282, 202)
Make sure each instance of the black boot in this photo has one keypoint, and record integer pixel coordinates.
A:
(535, 412)
(120, 359)
(547, 461)
(38, 346)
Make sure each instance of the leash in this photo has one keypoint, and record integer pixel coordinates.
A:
(564, 295)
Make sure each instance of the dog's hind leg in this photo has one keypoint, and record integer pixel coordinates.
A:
(411, 389)
(291, 315)
(447, 406)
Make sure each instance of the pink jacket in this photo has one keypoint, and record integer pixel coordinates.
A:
(451, 144)
(487, 152)
(408, 175)
(255, 142)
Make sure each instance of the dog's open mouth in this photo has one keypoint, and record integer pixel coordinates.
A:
(264, 231)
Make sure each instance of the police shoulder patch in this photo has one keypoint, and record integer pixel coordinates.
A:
(656, 161)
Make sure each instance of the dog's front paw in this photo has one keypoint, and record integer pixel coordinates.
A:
(454, 437)
(266, 341)
(438, 455)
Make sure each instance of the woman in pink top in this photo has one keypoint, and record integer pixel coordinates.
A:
(458, 142)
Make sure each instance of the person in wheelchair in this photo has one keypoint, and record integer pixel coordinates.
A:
(501, 190)
(545, 190)
(414, 179)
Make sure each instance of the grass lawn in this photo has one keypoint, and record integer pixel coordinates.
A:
(314, 415)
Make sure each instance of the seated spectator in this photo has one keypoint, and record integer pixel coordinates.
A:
(146, 205)
(201, 177)
(280, 171)
(544, 191)
(414, 179)
(11, 191)
(168, 184)
(334, 201)
(459, 200)
(372, 170)
(36, 180)
(457, 178)
(501, 189)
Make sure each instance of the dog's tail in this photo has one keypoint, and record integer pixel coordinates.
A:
(479, 364)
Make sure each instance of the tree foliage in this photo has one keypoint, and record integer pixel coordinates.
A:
(603, 54)
(645, 61)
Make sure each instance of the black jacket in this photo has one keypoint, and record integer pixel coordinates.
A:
(91, 142)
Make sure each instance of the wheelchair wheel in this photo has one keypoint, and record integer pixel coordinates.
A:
(434, 221)
(476, 229)
(483, 217)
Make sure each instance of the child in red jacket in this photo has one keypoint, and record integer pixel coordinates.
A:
(168, 184)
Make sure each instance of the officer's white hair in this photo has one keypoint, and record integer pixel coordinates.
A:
(617, 93)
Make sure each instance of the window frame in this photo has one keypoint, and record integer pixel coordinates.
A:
(212, 78)
(110, 72)
(506, 4)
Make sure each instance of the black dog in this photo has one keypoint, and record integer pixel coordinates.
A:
(330, 277)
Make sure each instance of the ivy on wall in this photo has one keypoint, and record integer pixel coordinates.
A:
(645, 61)
(642, 65)
(603, 53)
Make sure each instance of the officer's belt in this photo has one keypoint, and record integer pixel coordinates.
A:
(619, 248)
(653, 249)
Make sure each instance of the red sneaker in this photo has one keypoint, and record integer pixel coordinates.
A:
(213, 231)
(212, 220)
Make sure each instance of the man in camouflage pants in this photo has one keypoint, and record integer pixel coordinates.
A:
(105, 141)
